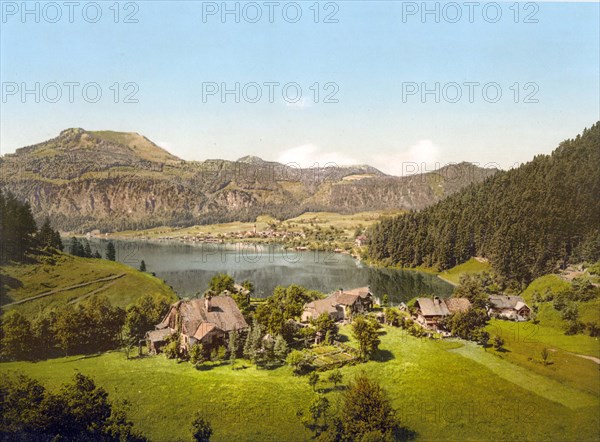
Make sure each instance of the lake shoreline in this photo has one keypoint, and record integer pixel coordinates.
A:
(187, 268)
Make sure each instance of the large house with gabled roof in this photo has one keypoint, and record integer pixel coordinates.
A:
(431, 311)
(207, 321)
(509, 307)
(340, 305)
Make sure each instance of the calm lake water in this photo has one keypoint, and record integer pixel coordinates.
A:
(189, 267)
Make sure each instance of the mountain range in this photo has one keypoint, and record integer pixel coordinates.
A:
(112, 181)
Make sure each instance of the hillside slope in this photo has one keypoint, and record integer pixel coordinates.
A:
(118, 181)
(528, 221)
(68, 279)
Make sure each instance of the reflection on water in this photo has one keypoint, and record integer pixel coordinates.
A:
(188, 268)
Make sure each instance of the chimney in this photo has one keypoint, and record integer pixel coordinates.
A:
(207, 302)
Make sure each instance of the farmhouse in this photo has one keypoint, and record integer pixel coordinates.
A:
(340, 305)
(431, 311)
(207, 321)
(509, 307)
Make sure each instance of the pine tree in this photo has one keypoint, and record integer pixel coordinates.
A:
(17, 228)
(366, 411)
(253, 345)
(87, 250)
(143, 266)
(46, 235)
(281, 348)
(57, 241)
(233, 344)
(111, 253)
(76, 248)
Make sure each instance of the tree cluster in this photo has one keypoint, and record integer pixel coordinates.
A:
(286, 303)
(19, 234)
(262, 348)
(77, 411)
(81, 248)
(366, 414)
(366, 332)
(93, 325)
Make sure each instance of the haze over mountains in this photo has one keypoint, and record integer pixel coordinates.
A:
(115, 181)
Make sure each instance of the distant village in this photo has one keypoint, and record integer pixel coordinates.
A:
(296, 239)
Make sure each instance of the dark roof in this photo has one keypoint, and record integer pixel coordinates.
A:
(159, 335)
(320, 306)
(432, 307)
(363, 292)
(507, 302)
(457, 304)
(344, 298)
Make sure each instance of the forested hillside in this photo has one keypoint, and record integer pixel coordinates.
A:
(528, 221)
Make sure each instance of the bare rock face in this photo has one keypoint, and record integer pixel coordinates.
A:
(115, 181)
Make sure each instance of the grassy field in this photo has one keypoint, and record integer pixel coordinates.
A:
(64, 271)
(525, 341)
(553, 283)
(443, 390)
(471, 266)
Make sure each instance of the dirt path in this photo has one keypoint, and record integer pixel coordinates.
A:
(591, 358)
(64, 289)
(93, 292)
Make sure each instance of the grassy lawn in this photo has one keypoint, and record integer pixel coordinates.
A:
(553, 283)
(471, 266)
(442, 389)
(525, 341)
(63, 271)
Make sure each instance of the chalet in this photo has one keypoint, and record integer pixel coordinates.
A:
(431, 311)
(207, 321)
(509, 307)
(340, 305)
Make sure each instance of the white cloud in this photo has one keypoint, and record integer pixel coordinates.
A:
(302, 103)
(420, 157)
(307, 155)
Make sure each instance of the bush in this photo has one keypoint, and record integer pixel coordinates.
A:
(593, 329)
(201, 429)
(498, 343)
(197, 354)
(574, 327)
(171, 350)
(299, 361)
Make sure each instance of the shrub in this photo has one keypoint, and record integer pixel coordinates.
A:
(299, 362)
(171, 350)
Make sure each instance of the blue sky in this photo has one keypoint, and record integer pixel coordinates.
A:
(371, 55)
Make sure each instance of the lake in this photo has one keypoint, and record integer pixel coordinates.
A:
(189, 267)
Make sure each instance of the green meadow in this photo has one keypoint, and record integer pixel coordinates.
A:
(442, 389)
(471, 266)
(61, 274)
